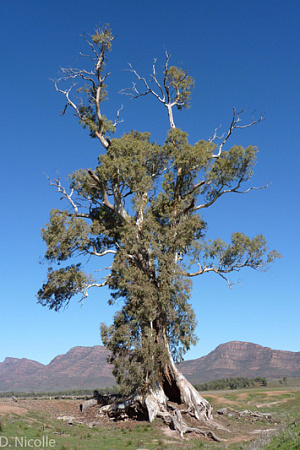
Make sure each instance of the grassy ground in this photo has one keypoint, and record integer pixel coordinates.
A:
(283, 403)
(34, 424)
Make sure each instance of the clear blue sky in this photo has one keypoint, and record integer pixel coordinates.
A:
(242, 54)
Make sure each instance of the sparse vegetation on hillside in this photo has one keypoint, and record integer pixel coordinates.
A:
(231, 383)
(70, 393)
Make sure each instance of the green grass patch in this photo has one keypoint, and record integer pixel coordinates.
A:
(39, 431)
(287, 439)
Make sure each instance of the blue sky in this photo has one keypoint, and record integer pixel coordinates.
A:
(242, 54)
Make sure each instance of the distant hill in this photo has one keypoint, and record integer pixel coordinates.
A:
(235, 359)
(79, 368)
(87, 368)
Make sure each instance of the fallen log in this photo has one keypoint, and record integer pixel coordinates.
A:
(88, 404)
(99, 399)
(245, 413)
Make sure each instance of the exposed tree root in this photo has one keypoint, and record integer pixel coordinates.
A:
(175, 420)
(155, 404)
(162, 402)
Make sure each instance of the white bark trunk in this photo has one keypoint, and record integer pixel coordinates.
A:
(190, 397)
(170, 114)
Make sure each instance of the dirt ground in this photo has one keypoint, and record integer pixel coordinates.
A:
(238, 431)
(7, 408)
(53, 408)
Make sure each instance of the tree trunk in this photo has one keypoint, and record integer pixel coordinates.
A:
(179, 390)
(172, 397)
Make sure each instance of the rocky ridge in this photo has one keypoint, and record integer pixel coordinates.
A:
(87, 368)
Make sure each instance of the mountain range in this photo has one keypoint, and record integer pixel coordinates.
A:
(87, 368)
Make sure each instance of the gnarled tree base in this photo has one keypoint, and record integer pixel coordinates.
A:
(155, 403)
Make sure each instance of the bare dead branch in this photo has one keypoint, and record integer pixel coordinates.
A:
(215, 135)
(164, 95)
(66, 93)
(252, 188)
(154, 78)
(56, 183)
(87, 56)
(92, 46)
(117, 119)
(227, 191)
(85, 291)
(73, 72)
(168, 55)
(94, 89)
(134, 92)
(234, 125)
(216, 270)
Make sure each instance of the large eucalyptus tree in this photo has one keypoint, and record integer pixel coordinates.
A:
(141, 207)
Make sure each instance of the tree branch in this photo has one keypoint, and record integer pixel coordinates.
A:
(89, 113)
(163, 97)
(196, 186)
(106, 202)
(154, 77)
(66, 93)
(134, 92)
(118, 200)
(234, 125)
(118, 206)
(220, 273)
(115, 123)
(85, 291)
(226, 191)
(106, 252)
(62, 190)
